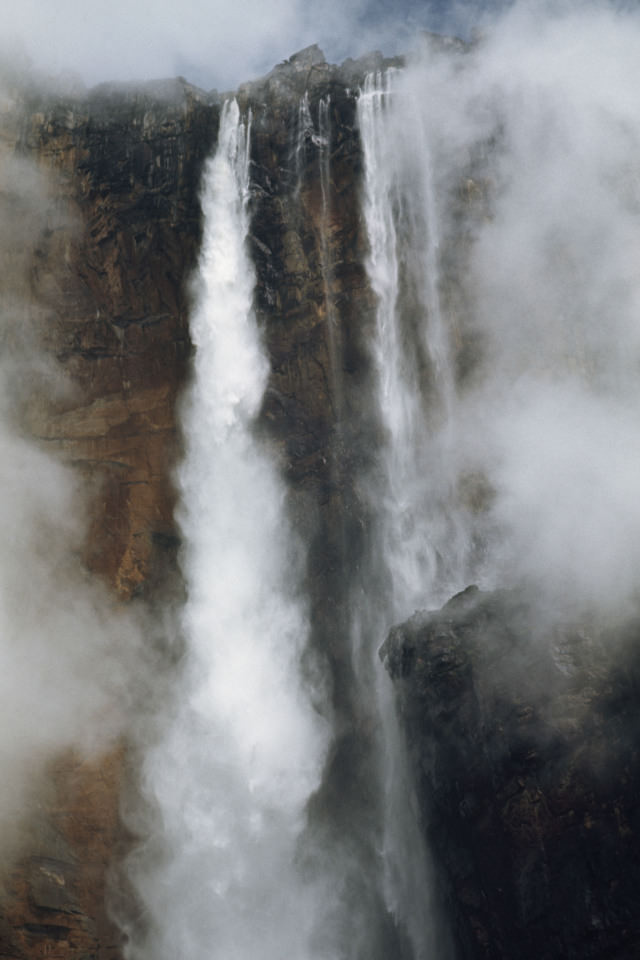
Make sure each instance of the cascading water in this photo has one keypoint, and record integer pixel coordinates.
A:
(418, 538)
(243, 748)
(424, 537)
(320, 140)
(323, 143)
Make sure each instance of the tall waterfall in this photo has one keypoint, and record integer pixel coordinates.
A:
(242, 749)
(419, 535)
(424, 540)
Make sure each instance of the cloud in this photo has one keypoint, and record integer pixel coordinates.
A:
(543, 114)
(68, 651)
(215, 43)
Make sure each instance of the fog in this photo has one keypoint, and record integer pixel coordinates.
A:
(541, 120)
(68, 653)
(66, 650)
(213, 43)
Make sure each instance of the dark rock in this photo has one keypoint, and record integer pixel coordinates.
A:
(524, 736)
(51, 885)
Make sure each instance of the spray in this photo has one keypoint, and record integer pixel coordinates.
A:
(239, 755)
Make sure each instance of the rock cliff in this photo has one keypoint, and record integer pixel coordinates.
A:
(97, 267)
(524, 735)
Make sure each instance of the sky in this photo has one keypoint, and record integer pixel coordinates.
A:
(213, 43)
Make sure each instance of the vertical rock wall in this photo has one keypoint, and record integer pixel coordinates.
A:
(98, 327)
(524, 735)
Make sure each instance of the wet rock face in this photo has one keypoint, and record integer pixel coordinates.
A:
(307, 244)
(313, 301)
(525, 742)
(52, 899)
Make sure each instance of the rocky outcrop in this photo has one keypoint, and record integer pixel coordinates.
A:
(525, 736)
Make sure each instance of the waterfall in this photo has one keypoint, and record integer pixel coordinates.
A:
(424, 538)
(529, 183)
(419, 537)
(242, 749)
(323, 143)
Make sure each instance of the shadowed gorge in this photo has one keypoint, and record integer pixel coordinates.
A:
(282, 367)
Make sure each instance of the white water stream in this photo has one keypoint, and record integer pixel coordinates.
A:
(243, 748)
(419, 538)
(424, 539)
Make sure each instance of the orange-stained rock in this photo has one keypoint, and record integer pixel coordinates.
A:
(53, 900)
(102, 198)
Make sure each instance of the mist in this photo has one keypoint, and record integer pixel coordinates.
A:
(540, 119)
(69, 651)
(66, 649)
(213, 44)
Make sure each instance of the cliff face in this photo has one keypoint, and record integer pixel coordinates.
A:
(98, 280)
(110, 288)
(524, 736)
(527, 787)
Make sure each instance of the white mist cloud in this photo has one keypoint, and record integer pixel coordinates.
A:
(549, 99)
(212, 42)
(67, 651)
